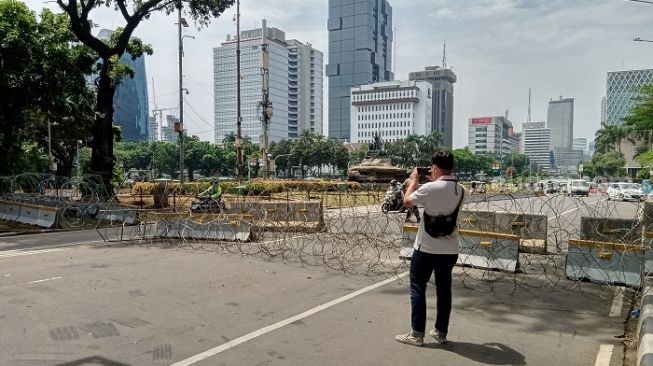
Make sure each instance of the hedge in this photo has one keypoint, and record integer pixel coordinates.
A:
(252, 187)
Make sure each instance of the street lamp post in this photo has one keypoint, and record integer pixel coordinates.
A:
(181, 22)
(275, 161)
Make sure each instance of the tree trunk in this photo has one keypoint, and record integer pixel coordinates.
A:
(102, 158)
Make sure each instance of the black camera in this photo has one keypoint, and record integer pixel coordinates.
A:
(423, 171)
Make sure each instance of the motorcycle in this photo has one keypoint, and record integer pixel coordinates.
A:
(392, 201)
(207, 205)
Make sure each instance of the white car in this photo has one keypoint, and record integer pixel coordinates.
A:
(579, 187)
(625, 192)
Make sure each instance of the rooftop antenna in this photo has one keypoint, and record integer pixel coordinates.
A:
(529, 105)
(444, 55)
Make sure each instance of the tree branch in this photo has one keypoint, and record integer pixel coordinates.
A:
(81, 30)
(86, 9)
(150, 5)
(123, 10)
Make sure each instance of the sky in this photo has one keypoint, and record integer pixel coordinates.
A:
(497, 48)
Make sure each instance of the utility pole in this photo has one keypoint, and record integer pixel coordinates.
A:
(180, 127)
(239, 118)
(266, 105)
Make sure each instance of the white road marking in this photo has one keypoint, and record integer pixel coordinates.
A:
(574, 209)
(617, 303)
(249, 336)
(30, 252)
(604, 356)
(45, 280)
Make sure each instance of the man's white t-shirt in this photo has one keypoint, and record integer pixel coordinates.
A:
(440, 197)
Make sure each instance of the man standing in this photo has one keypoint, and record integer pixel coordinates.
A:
(435, 248)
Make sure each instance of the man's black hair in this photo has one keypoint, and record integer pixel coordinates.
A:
(443, 160)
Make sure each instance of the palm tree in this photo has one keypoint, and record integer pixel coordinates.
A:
(610, 137)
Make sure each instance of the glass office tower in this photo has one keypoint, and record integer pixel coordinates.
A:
(360, 53)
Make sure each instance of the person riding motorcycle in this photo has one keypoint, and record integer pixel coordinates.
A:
(396, 188)
(210, 200)
(214, 192)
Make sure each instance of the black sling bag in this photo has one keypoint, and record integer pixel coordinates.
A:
(442, 225)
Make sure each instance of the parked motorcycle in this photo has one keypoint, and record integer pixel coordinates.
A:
(207, 205)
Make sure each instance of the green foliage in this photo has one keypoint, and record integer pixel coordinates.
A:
(312, 152)
(609, 137)
(610, 164)
(414, 150)
(640, 117)
(42, 80)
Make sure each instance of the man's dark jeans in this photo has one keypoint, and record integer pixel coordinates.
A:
(421, 266)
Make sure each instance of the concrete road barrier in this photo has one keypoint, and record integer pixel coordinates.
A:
(190, 229)
(303, 216)
(648, 253)
(12, 210)
(645, 326)
(530, 228)
(605, 262)
(118, 214)
(613, 230)
(477, 220)
(29, 214)
(482, 249)
(408, 234)
(48, 217)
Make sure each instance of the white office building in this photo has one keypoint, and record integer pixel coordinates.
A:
(392, 109)
(536, 143)
(492, 135)
(295, 85)
(305, 72)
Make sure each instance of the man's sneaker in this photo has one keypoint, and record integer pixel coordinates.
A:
(439, 336)
(409, 339)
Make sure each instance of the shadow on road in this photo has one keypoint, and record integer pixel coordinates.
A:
(486, 353)
(94, 360)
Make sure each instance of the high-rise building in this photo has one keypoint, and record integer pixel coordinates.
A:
(566, 159)
(130, 101)
(153, 134)
(492, 135)
(360, 53)
(168, 132)
(442, 81)
(579, 143)
(560, 120)
(295, 85)
(623, 90)
(305, 72)
(536, 143)
(390, 109)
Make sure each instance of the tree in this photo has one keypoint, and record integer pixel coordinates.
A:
(610, 164)
(42, 80)
(109, 53)
(609, 137)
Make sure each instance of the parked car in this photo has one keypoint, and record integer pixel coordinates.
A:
(578, 187)
(625, 191)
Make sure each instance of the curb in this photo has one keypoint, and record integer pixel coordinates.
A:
(645, 326)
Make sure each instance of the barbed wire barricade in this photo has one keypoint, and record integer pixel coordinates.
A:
(508, 239)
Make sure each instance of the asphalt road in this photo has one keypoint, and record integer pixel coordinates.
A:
(68, 299)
